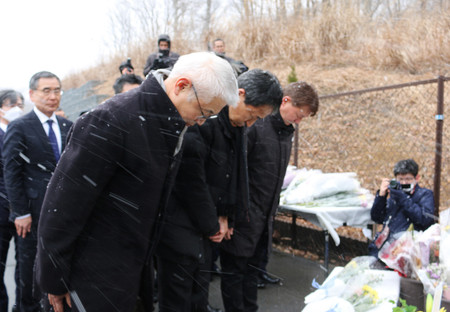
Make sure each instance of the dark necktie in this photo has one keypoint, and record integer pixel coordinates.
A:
(52, 139)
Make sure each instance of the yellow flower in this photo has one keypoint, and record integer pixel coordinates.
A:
(372, 293)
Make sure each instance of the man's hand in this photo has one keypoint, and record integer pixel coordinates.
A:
(57, 301)
(218, 237)
(228, 234)
(384, 187)
(23, 226)
(397, 195)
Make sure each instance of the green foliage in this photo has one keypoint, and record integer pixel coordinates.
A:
(292, 77)
(404, 308)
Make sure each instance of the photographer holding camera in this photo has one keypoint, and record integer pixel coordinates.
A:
(164, 58)
(399, 203)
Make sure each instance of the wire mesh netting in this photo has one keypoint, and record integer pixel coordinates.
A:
(368, 131)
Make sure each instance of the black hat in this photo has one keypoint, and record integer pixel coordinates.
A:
(125, 64)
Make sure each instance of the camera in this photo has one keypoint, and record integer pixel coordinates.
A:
(162, 61)
(163, 53)
(395, 185)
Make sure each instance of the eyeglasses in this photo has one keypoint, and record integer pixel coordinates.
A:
(48, 91)
(202, 116)
(406, 180)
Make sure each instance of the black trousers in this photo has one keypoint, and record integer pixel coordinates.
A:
(239, 281)
(7, 232)
(183, 287)
(29, 300)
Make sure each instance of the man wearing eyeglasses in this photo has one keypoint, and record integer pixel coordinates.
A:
(105, 203)
(210, 188)
(31, 150)
(400, 203)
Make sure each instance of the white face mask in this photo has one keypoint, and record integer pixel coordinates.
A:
(13, 113)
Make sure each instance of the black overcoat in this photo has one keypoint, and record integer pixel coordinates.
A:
(268, 153)
(206, 187)
(102, 205)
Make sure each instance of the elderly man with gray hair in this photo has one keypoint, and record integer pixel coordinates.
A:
(105, 203)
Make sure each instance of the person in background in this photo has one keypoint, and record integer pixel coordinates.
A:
(210, 187)
(60, 112)
(127, 82)
(239, 67)
(400, 203)
(105, 205)
(32, 146)
(163, 58)
(219, 49)
(126, 68)
(11, 108)
(269, 150)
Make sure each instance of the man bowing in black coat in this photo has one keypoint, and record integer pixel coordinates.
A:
(210, 187)
(269, 150)
(100, 215)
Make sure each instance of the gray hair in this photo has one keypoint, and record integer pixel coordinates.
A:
(212, 76)
(43, 74)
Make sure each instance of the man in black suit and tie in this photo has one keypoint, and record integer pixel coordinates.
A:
(31, 150)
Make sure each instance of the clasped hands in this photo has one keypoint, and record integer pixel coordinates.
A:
(224, 232)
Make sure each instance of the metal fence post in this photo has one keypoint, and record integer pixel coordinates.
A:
(296, 146)
(438, 152)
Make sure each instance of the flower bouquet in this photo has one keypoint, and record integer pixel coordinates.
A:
(398, 254)
(355, 287)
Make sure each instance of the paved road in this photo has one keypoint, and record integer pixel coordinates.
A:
(9, 275)
(296, 274)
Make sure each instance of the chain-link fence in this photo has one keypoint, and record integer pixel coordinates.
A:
(78, 100)
(368, 131)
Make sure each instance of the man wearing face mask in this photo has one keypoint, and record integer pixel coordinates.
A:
(400, 203)
(163, 58)
(11, 105)
(31, 150)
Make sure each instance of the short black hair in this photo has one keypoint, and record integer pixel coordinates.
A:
(124, 79)
(42, 74)
(406, 166)
(261, 88)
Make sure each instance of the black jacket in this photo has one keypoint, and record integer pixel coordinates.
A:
(205, 188)
(401, 210)
(29, 163)
(102, 204)
(157, 61)
(4, 203)
(269, 150)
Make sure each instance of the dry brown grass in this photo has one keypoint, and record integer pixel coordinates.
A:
(359, 52)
